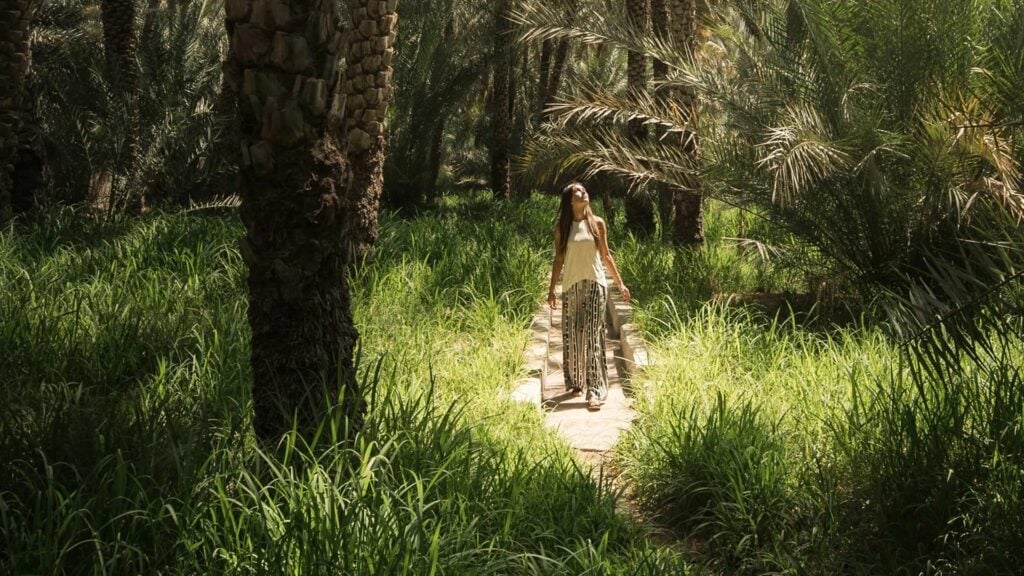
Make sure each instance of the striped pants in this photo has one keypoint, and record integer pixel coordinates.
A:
(583, 310)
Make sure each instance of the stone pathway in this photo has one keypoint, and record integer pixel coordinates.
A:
(592, 434)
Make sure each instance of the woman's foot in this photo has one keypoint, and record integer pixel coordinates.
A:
(594, 404)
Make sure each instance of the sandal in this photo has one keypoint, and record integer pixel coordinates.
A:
(594, 404)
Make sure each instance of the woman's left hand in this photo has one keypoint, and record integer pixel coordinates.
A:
(625, 292)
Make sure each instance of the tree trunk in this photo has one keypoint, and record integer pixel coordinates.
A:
(367, 89)
(546, 51)
(32, 178)
(292, 182)
(22, 161)
(557, 69)
(149, 22)
(688, 227)
(435, 160)
(501, 114)
(554, 57)
(639, 208)
(659, 72)
(118, 18)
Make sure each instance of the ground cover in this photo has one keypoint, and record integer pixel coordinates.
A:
(125, 426)
(772, 445)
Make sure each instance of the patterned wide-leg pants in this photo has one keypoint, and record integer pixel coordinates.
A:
(583, 310)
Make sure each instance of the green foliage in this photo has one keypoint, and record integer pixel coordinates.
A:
(775, 448)
(125, 416)
(84, 119)
(879, 133)
(443, 56)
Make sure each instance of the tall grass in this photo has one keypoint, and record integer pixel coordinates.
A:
(125, 419)
(778, 448)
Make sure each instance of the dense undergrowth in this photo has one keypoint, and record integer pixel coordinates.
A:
(770, 445)
(124, 432)
(781, 446)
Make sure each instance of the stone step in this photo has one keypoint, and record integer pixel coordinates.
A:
(585, 430)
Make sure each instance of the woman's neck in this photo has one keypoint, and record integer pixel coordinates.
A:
(578, 215)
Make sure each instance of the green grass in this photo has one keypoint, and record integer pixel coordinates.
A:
(774, 447)
(125, 419)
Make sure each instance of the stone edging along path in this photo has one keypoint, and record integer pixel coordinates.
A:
(592, 434)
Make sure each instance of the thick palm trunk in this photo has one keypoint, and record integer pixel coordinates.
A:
(688, 225)
(15, 24)
(118, 18)
(293, 175)
(501, 112)
(639, 208)
(367, 90)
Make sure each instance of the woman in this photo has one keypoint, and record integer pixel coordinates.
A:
(581, 246)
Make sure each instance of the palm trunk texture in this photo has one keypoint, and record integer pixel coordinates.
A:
(119, 46)
(659, 72)
(367, 90)
(639, 208)
(688, 225)
(501, 119)
(15, 62)
(293, 178)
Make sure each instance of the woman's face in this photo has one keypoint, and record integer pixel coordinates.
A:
(580, 197)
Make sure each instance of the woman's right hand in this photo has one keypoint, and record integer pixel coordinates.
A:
(552, 300)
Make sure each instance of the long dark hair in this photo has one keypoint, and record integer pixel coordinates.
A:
(563, 221)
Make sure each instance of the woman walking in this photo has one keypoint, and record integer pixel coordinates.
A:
(581, 251)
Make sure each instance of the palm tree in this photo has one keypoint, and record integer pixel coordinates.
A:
(15, 58)
(118, 18)
(501, 111)
(153, 9)
(293, 184)
(659, 73)
(367, 90)
(889, 146)
(639, 209)
(688, 219)
(553, 57)
(438, 79)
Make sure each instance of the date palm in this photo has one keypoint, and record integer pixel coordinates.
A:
(554, 56)
(687, 214)
(15, 58)
(120, 48)
(886, 139)
(659, 73)
(439, 78)
(367, 88)
(639, 208)
(293, 185)
(501, 110)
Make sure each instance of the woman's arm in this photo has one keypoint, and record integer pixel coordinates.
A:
(556, 271)
(606, 257)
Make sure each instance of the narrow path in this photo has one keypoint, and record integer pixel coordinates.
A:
(592, 434)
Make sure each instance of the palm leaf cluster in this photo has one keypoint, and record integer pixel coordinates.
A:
(439, 64)
(885, 135)
(86, 131)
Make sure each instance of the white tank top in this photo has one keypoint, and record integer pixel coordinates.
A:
(582, 261)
